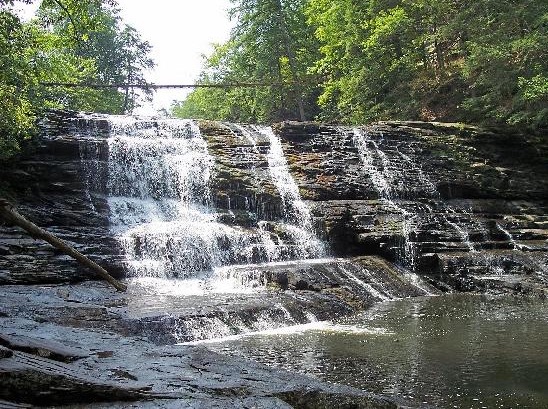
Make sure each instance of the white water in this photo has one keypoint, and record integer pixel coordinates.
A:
(296, 212)
(160, 202)
(159, 172)
(313, 326)
(383, 179)
(385, 175)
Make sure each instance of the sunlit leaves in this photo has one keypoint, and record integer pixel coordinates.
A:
(271, 44)
(75, 42)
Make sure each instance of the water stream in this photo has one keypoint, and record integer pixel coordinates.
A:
(453, 351)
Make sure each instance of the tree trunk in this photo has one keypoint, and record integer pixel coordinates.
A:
(11, 215)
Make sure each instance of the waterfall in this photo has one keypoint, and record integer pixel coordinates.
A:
(296, 212)
(158, 174)
(384, 179)
(161, 208)
(388, 178)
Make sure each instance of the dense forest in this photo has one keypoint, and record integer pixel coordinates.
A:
(68, 41)
(480, 61)
(347, 61)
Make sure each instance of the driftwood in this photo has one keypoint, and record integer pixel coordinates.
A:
(8, 212)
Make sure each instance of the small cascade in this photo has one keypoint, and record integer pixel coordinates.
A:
(389, 177)
(381, 172)
(296, 223)
(380, 294)
(508, 235)
(296, 212)
(463, 233)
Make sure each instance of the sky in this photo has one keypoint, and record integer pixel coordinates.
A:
(180, 32)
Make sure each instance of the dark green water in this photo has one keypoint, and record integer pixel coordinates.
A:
(454, 351)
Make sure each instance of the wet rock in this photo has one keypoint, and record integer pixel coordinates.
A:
(314, 399)
(35, 380)
(286, 294)
(153, 376)
(452, 189)
(42, 348)
(5, 352)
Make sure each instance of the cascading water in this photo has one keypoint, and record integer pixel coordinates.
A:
(161, 206)
(388, 179)
(382, 177)
(158, 175)
(160, 202)
(296, 212)
(181, 245)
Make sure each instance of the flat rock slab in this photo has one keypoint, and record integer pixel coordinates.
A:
(40, 347)
(116, 369)
(36, 380)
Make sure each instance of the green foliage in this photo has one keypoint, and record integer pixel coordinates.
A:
(271, 44)
(91, 31)
(69, 41)
(481, 61)
(16, 120)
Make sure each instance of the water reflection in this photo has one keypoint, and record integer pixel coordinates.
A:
(451, 351)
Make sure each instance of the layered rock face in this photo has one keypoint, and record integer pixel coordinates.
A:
(50, 186)
(458, 204)
(464, 206)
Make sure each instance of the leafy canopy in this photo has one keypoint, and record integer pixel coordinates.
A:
(69, 41)
(481, 61)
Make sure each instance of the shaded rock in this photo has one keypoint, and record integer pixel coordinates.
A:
(314, 399)
(5, 352)
(11, 405)
(35, 380)
(42, 348)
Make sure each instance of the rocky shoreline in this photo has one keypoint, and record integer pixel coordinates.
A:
(70, 346)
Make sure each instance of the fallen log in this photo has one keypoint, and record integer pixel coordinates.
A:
(8, 212)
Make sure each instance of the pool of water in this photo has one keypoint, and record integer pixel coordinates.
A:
(452, 351)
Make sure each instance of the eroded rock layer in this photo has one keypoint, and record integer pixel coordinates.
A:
(455, 203)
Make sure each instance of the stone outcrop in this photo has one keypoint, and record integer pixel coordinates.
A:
(49, 186)
(462, 201)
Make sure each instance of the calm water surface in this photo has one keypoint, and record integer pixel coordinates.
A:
(453, 351)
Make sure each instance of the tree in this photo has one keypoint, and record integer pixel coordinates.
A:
(92, 29)
(507, 63)
(270, 44)
(69, 42)
(17, 119)
(478, 61)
